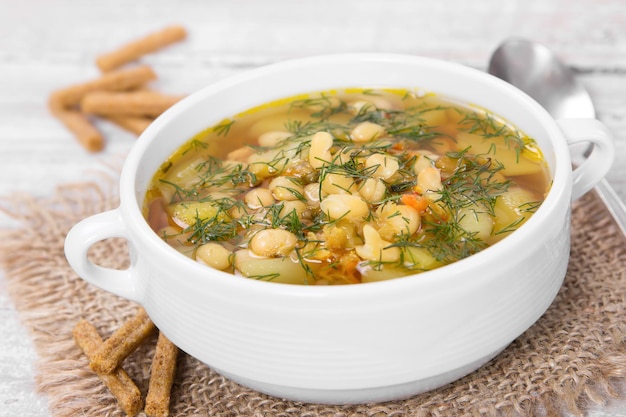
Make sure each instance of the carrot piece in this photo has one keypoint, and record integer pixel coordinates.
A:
(418, 202)
(398, 146)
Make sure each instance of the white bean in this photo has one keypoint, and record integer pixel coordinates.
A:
(343, 155)
(273, 242)
(429, 183)
(291, 205)
(373, 190)
(397, 219)
(375, 248)
(259, 197)
(312, 193)
(384, 166)
(284, 188)
(319, 154)
(424, 161)
(214, 255)
(338, 184)
(345, 206)
(366, 131)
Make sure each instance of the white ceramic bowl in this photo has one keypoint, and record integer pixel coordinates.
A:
(357, 343)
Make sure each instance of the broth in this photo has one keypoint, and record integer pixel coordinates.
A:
(348, 186)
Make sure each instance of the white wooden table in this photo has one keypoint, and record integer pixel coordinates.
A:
(45, 45)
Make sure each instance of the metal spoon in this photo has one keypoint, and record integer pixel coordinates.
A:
(533, 68)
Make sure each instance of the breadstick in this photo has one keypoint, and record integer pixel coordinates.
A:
(136, 49)
(121, 80)
(134, 124)
(161, 378)
(133, 103)
(118, 382)
(122, 343)
(84, 131)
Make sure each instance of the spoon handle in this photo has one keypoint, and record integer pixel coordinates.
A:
(612, 201)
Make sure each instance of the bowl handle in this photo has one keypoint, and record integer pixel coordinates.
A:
(597, 164)
(85, 234)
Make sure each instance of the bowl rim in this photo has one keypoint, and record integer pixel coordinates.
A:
(559, 193)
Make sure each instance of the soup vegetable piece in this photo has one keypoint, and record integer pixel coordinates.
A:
(348, 186)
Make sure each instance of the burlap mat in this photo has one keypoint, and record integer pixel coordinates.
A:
(572, 357)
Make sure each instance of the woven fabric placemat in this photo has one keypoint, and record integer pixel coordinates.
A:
(575, 355)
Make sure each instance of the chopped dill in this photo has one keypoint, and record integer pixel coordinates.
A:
(223, 128)
(322, 107)
(195, 145)
(511, 227)
(265, 277)
(211, 229)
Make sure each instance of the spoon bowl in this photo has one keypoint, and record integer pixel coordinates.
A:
(534, 69)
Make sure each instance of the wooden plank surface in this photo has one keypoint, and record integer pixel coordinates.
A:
(45, 45)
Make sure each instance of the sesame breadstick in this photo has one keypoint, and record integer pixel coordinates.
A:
(122, 343)
(161, 378)
(133, 50)
(132, 103)
(134, 124)
(118, 382)
(84, 131)
(121, 80)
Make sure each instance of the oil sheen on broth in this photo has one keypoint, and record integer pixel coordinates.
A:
(343, 187)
